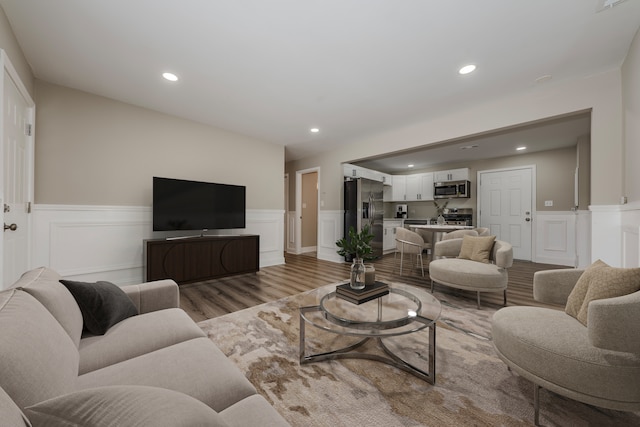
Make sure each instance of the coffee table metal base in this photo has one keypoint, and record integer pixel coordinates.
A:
(350, 352)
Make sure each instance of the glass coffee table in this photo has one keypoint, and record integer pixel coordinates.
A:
(405, 310)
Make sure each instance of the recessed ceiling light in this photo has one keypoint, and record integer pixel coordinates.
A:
(467, 69)
(544, 79)
(314, 130)
(521, 148)
(410, 166)
(170, 76)
(607, 4)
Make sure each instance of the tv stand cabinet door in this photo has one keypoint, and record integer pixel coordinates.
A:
(202, 258)
(240, 256)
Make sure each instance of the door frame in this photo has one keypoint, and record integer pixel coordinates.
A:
(286, 212)
(10, 70)
(534, 219)
(299, 206)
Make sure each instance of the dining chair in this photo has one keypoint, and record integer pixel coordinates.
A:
(458, 234)
(427, 236)
(410, 243)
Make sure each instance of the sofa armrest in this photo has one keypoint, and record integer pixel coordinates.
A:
(153, 296)
(502, 254)
(448, 248)
(614, 323)
(554, 286)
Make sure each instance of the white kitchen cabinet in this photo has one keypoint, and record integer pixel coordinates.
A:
(413, 187)
(389, 235)
(427, 186)
(399, 188)
(353, 171)
(419, 187)
(461, 174)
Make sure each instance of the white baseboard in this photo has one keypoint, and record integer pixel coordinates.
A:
(106, 242)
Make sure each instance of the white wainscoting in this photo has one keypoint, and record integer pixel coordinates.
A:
(583, 239)
(556, 238)
(615, 233)
(106, 242)
(630, 220)
(291, 232)
(330, 229)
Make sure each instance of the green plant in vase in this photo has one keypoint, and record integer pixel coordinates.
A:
(357, 245)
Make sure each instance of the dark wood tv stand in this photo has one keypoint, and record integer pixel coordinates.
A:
(194, 259)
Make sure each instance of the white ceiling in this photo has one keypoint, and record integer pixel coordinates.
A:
(549, 135)
(273, 69)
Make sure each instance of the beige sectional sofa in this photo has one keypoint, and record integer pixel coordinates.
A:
(156, 368)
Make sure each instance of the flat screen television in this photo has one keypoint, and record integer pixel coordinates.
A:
(193, 205)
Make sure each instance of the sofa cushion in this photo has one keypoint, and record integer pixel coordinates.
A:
(136, 336)
(131, 406)
(195, 367)
(609, 282)
(476, 248)
(253, 411)
(555, 347)
(579, 291)
(38, 360)
(102, 304)
(43, 283)
(12, 416)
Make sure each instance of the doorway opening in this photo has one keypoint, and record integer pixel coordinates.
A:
(307, 210)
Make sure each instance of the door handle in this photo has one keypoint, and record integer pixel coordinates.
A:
(527, 219)
(12, 227)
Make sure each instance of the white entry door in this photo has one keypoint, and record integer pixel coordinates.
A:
(506, 208)
(17, 176)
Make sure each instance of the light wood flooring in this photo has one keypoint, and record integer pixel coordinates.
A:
(213, 298)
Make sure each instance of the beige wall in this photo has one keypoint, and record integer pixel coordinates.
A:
(599, 93)
(92, 150)
(9, 44)
(631, 102)
(583, 153)
(555, 172)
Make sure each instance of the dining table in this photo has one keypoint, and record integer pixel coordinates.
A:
(438, 230)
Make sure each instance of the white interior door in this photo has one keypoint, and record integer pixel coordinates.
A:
(506, 200)
(17, 185)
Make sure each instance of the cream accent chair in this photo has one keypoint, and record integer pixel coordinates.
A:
(427, 236)
(459, 234)
(598, 364)
(471, 275)
(483, 231)
(410, 243)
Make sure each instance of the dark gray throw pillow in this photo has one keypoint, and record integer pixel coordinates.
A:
(102, 304)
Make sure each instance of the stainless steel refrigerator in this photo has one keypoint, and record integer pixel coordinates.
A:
(363, 205)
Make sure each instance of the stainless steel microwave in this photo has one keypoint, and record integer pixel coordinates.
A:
(451, 190)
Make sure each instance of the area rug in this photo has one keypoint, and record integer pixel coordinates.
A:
(473, 386)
